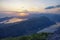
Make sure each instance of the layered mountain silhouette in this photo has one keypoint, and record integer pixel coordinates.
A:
(53, 17)
(27, 27)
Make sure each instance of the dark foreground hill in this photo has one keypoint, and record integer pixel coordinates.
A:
(40, 36)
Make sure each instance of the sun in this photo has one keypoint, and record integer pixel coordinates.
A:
(23, 14)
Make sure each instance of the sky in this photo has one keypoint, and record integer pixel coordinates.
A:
(29, 5)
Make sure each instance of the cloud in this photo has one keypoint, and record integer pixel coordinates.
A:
(13, 13)
(52, 7)
(58, 6)
(7, 13)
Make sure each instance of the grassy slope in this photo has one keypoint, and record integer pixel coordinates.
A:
(41, 36)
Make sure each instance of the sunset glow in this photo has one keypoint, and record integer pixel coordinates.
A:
(23, 14)
(20, 7)
(13, 20)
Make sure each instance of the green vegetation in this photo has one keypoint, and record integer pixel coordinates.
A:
(41, 36)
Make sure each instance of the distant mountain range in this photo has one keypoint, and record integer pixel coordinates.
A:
(18, 26)
(53, 17)
(27, 27)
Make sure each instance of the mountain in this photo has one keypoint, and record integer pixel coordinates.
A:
(40, 36)
(55, 29)
(56, 35)
(8, 21)
(5, 18)
(27, 27)
(50, 29)
(53, 17)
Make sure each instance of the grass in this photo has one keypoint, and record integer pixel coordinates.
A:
(40, 36)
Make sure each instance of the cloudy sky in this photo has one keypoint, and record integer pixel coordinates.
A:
(30, 5)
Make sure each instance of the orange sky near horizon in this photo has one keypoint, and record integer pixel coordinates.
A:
(23, 7)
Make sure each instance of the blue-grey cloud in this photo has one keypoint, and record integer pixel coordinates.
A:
(58, 6)
(51, 7)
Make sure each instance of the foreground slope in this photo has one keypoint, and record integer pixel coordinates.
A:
(40, 36)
